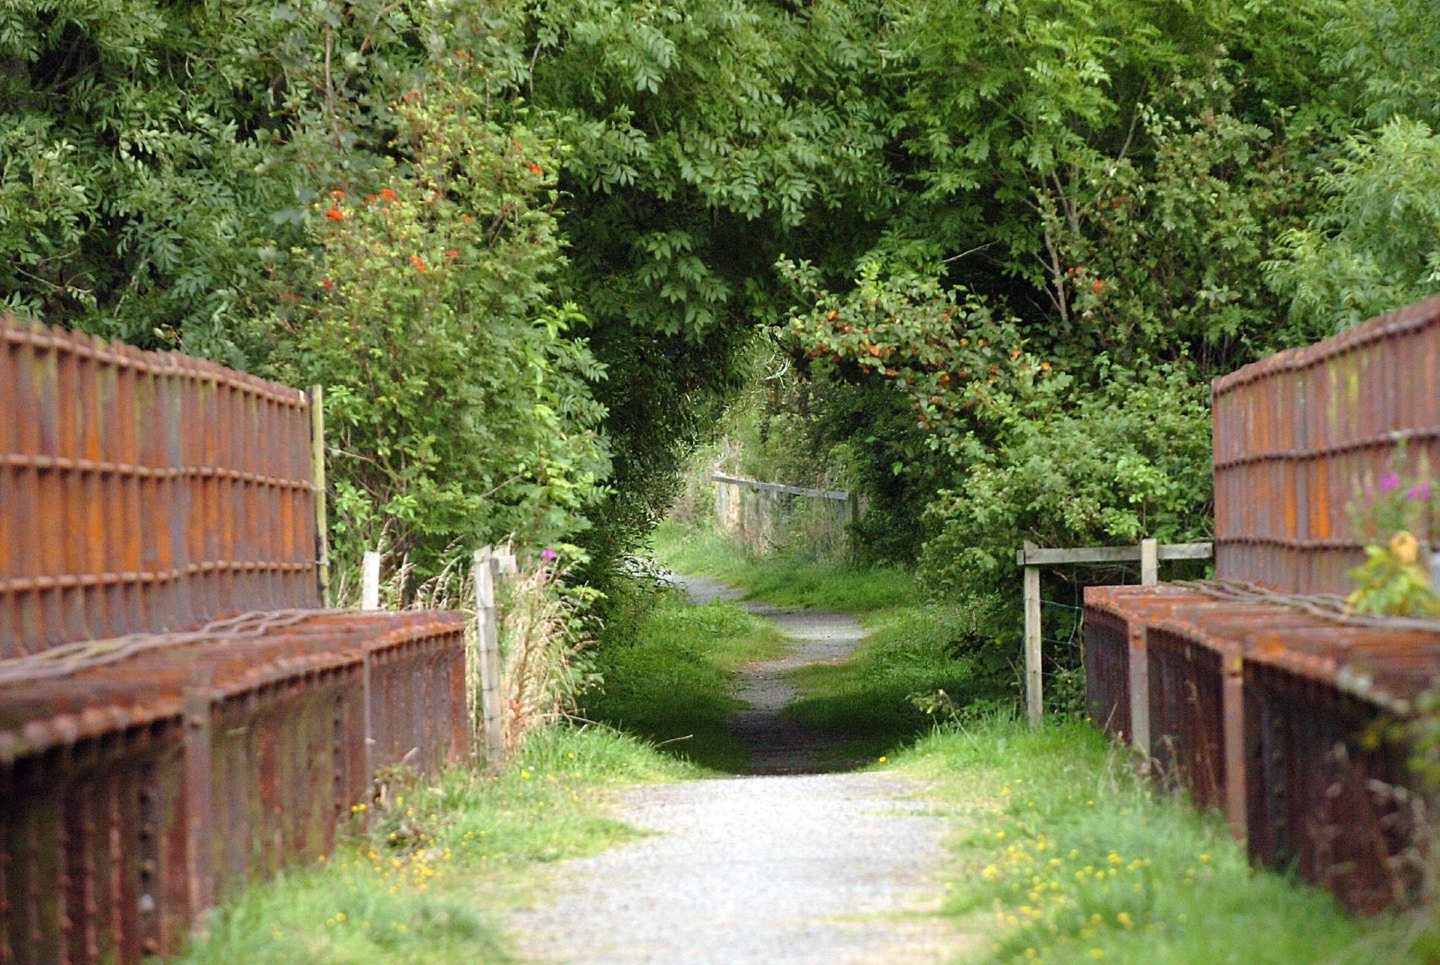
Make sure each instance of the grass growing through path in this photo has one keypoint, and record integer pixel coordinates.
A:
(442, 860)
(910, 650)
(1071, 859)
(877, 698)
(781, 580)
(669, 674)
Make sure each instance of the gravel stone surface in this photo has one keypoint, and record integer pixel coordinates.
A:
(833, 868)
(788, 866)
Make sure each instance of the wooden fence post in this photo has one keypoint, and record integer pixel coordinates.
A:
(1034, 684)
(370, 581)
(1149, 553)
(1149, 562)
(487, 635)
(317, 466)
(1233, 730)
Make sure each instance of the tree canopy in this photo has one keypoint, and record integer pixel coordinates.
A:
(526, 245)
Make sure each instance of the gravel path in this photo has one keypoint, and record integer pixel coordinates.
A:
(776, 744)
(782, 867)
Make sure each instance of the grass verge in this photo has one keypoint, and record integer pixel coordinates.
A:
(1070, 858)
(668, 674)
(440, 862)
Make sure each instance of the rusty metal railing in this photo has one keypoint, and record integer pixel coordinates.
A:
(1275, 714)
(144, 491)
(134, 793)
(177, 716)
(1257, 692)
(1298, 433)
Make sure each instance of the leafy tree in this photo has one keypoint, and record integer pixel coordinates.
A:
(995, 214)
(1375, 245)
(129, 153)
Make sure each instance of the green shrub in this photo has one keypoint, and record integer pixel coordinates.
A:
(458, 405)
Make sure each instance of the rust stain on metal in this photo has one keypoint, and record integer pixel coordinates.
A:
(1299, 434)
(1269, 712)
(179, 773)
(177, 718)
(143, 491)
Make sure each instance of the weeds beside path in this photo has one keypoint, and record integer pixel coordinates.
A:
(441, 861)
(1062, 855)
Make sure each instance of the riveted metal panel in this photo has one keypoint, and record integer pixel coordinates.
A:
(143, 492)
(1299, 435)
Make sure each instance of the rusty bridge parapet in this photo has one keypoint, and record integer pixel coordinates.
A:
(1298, 434)
(1257, 692)
(177, 715)
(144, 491)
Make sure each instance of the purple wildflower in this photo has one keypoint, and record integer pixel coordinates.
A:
(1389, 482)
(1420, 493)
(547, 554)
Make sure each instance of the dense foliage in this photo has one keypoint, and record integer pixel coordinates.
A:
(526, 245)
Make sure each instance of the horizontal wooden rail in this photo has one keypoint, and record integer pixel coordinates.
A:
(1148, 553)
(836, 494)
(1042, 556)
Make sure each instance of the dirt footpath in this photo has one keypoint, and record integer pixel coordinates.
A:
(781, 867)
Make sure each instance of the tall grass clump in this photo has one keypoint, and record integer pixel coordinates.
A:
(543, 621)
(544, 648)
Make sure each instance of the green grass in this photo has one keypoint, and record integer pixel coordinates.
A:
(1069, 858)
(669, 674)
(877, 698)
(782, 580)
(440, 862)
(909, 652)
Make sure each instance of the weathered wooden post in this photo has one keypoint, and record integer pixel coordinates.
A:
(487, 636)
(1149, 554)
(317, 466)
(370, 581)
(1149, 562)
(1034, 685)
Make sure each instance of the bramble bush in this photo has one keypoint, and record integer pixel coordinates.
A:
(1130, 461)
(1127, 462)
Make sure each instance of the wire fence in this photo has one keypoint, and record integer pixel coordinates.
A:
(1062, 625)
